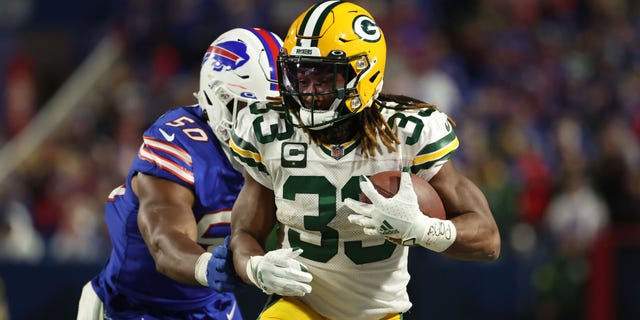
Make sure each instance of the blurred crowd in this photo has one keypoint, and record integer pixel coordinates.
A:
(546, 95)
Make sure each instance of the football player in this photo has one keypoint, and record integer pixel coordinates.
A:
(169, 221)
(306, 163)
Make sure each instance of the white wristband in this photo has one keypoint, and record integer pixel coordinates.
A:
(251, 273)
(201, 268)
(439, 234)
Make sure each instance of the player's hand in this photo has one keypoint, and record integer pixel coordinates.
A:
(221, 276)
(277, 272)
(399, 217)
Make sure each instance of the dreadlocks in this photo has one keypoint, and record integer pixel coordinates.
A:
(372, 123)
(375, 126)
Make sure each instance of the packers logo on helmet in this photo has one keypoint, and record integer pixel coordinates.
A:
(331, 65)
(367, 29)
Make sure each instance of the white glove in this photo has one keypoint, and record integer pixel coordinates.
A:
(278, 272)
(400, 217)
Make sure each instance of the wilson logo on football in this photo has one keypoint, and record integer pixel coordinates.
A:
(228, 55)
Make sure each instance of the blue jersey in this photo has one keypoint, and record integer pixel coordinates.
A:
(180, 147)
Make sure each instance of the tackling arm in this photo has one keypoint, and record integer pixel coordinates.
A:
(477, 237)
(167, 224)
(168, 227)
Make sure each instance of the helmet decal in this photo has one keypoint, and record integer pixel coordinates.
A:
(228, 55)
(272, 48)
(366, 29)
(238, 69)
(249, 95)
(312, 23)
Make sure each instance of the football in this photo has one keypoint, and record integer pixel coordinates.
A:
(388, 182)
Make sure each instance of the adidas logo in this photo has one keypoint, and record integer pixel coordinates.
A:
(386, 228)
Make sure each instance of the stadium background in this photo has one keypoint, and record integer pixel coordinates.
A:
(546, 94)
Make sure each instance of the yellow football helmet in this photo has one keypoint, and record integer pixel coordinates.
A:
(332, 36)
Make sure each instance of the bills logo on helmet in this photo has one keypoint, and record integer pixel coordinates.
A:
(228, 55)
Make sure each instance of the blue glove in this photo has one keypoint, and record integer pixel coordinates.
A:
(220, 274)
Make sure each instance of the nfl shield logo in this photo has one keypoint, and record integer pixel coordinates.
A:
(337, 151)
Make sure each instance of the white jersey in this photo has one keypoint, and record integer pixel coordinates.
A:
(355, 276)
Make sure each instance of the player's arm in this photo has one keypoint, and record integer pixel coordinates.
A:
(477, 236)
(168, 226)
(470, 233)
(252, 219)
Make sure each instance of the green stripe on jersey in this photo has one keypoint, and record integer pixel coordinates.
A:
(440, 150)
(245, 152)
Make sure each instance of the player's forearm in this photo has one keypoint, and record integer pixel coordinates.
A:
(175, 256)
(252, 219)
(477, 235)
(244, 246)
(477, 239)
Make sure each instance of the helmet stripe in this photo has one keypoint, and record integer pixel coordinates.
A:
(312, 23)
(272, 47)
(223, 52)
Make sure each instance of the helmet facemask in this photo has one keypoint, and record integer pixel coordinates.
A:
(320, 91)
(223, 106)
